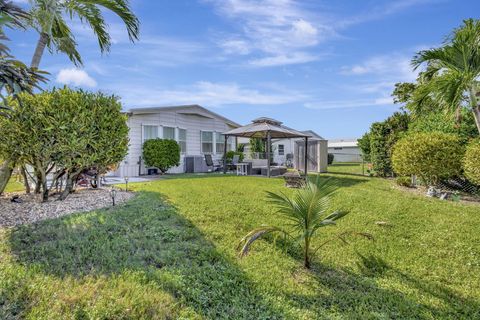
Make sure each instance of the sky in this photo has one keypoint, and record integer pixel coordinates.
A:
(327, 66)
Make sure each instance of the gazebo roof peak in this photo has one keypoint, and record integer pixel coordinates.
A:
(267, 120)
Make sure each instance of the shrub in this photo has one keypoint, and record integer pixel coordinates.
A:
(364, 145)
(430, 156)
(330, 159)
(472, 162)
(230, 155)
(64, 132)
(383, 136)
(161, 153)
(404, 181)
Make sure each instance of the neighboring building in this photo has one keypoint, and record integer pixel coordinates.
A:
(283, 147)
(197, 130)
(345, 150)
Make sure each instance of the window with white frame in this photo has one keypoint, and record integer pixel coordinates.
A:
(207, 141)
(169, 133)
(231, 144)
(182, 140)
(281, 149)
(219, 142)
(150, 132)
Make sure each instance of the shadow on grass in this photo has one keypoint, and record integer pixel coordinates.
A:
(149, 236)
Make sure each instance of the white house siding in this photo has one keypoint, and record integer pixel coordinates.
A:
(192, 120)
(345, 150)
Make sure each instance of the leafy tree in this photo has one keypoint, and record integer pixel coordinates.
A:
(64, 132)
(383, 136)
(453, 71)
(364, 145)
(430, 156)
(161, 153)
(472, 162)
(306, 212)
(231, 154)
(48, 18)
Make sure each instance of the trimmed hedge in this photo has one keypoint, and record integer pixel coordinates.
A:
(161, 153)
(431, 156)
(472, 162)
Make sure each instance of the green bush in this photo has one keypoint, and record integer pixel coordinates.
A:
(431, 156)
(383, 136)
(364, 145)
(161, 153)
(64, 132)
(330, 159)
(404, 181)
(230, 155)
(472, 162)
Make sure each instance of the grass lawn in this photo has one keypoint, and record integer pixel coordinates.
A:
(14, 186)
(347, 168)
(171, 253)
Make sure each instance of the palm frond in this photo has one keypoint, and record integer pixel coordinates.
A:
(246, 242)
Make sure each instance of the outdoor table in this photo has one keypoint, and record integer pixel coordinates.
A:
(242, 168)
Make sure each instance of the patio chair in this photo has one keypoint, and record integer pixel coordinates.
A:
(235, 161)
(210, 163)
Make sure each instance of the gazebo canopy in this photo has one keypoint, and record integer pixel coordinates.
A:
(259, 128)
(266, 128)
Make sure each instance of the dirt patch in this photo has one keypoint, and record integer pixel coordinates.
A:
(30, 210)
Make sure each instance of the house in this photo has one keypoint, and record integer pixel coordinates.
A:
(197, 130)
(345, 150)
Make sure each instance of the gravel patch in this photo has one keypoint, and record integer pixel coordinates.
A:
(30, 210)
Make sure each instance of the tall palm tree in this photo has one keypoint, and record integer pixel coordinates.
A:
(453, 70)
(305, 213)
(48, 18)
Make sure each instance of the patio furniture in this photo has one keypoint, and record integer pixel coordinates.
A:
(242, 168)
(267, 129)
(274, 171)
(293, 179)
(235, 160)
(211, 164)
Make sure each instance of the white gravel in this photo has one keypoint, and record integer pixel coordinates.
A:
(31, 210)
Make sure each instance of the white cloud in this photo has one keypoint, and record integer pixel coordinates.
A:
(209, 94)
(344, 104)
(75, 77)
(273, 30)
(393, 66)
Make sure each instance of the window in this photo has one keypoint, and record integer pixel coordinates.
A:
(169, 133)
(281, 149)
(231, 144)
(337, 148)
(182, 140)
(219, 142)
(150, 132)
(207, 142)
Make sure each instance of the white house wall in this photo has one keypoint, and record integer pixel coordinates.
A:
(191, 122)
(346, 154)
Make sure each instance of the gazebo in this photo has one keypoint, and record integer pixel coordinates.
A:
(265, 128)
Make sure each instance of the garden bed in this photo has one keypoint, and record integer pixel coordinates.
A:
(30, 210)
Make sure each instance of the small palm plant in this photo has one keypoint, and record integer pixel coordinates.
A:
(306, 213)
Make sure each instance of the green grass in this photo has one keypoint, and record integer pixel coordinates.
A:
(354, 168)
(171, 253)
(14, 185)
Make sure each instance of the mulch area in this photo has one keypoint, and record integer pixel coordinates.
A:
(30, 210)
(422, 191)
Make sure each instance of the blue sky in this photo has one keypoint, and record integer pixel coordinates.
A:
(329, 66)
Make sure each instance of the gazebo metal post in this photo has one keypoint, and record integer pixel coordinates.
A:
(269, 139)
(225, 154)
(306, 157)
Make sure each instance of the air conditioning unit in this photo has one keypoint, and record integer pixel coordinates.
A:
(194, 164)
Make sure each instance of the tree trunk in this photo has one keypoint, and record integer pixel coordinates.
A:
(68, 188)
(25, 179)
(306, 255)
(37, 56)
(476, 115)
(6, 169)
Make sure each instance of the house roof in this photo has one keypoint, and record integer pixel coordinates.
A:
(259, 128)
(313, 134)
(193, 109)
(343, 143)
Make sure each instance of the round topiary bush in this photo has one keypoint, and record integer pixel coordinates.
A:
(161, 153)
(430, 156)
(472, 162)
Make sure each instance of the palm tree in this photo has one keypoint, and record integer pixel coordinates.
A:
(54, 32)
(453, 71)
(306, 213)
